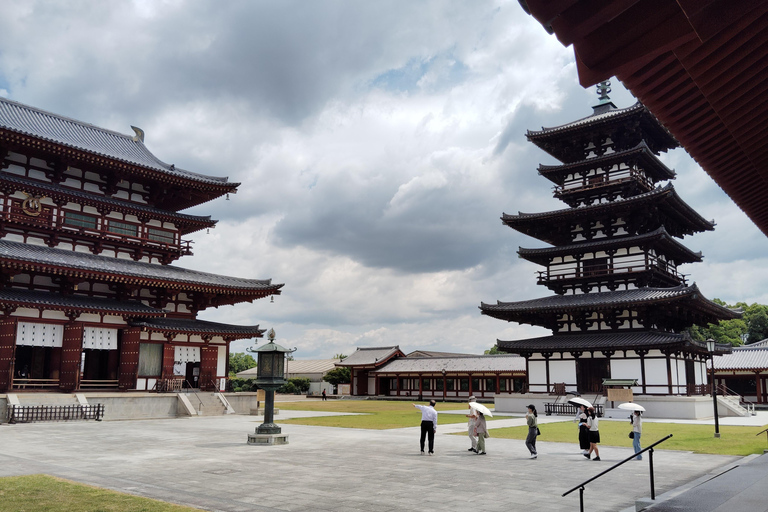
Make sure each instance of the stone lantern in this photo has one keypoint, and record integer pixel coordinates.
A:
(270, 375)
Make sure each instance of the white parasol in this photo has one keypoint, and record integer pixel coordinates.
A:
(629, 406)
(577, 400)
(480, 407)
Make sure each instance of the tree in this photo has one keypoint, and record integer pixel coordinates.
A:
(756, 317)
(340, 375)
(295, 386)
(239, 362)
(750, 328)
(340, 356)
(493, 350)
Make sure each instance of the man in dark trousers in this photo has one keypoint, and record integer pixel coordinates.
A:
(428, 425)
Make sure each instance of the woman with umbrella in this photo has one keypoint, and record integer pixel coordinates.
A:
(481, 428)
(581, 420)
(637, 425)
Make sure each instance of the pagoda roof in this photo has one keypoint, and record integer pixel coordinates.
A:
(539, 225)
(455, 364)
(186, 223)
(69, 132)
(193, 326)
(39, 258)
(658, 238)
(604, 117)
(11, 298)
(371, 356)
(546, 307)
(616, 340)
(655, 167)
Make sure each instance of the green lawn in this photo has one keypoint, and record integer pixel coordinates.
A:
(374, 414)
(694, 438)
(43, 493)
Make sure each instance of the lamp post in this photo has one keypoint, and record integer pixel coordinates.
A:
(711, 350)
(270, 375)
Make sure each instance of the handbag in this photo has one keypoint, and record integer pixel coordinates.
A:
(632, 435)
(538, 432)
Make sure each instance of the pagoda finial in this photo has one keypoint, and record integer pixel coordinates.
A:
(603, 88)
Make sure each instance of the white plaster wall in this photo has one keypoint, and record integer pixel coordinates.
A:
(371, 385)
(627, 369)
(563, 371)
(221, 363)
(656, 371)
(537, 373)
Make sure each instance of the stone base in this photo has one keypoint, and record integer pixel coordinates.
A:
(644, 503)
(260, 412)
(267, 439)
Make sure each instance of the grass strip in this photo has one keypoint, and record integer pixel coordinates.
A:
(686, 437)
(45, 493)
(371, 414)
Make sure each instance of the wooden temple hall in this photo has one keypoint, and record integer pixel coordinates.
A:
(619, 305)
(90, 224)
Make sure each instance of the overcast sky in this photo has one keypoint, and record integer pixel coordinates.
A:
(377, 144)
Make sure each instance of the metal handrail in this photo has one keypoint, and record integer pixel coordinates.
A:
(190, 388)
(724, 390)
(648, 449)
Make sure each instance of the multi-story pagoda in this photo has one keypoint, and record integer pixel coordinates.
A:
(89, 224)
(621, 305)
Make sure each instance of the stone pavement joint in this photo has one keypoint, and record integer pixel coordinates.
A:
(205, 462)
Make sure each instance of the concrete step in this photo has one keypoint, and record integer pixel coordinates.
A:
(47, 399)
(206, 404)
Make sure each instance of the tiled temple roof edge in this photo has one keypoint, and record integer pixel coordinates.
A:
(49, 300)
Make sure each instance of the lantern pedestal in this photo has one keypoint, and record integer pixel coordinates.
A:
(267, 439)
(268, 433)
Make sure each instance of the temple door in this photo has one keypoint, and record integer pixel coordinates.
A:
(7, 352)
(129, 358)
(590, 373)
(209, 360)
(168, 357)
(71, 356)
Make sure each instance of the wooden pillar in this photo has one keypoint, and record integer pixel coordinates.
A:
(421, 390)
(471, 391)
(71, 356)
(445, 386)
(642, 354)
(758, 388)
(209, 358)
(7, 353)
(498, 388)
(129, 358)
(669, 375)
(546, 365)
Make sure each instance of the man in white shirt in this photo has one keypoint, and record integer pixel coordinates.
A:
(428, 425)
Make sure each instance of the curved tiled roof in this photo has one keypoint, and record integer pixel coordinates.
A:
(674, 248)
(65, 262)
(455, 364)
(746, 358)
(48, 300)
(616, 340)
(86, 137)
(590, 119)
(370, 356)
(608, 300)
(193, 326)
(656, 166)
(55, 191)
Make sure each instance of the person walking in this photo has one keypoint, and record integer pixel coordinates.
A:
(594, 434)
(532, 418)
(324, 396)
(471, 426)
(428, 425)
(583, 430)
(637, 431)
(481, 431)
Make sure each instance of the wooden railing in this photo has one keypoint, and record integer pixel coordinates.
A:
(23, 383)
(624, 266)
(31, 413)
(172, 385)
(568, 409)
(602, 180)
(94, 383)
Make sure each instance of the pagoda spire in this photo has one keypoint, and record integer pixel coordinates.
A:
(605, 104)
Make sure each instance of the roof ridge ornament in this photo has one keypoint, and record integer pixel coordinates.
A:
(139, 137)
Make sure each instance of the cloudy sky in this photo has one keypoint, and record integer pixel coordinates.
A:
(377, 144)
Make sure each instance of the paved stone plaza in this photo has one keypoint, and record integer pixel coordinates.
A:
(205, 462)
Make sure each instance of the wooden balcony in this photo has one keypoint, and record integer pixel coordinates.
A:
(594, 185)
(649, 272)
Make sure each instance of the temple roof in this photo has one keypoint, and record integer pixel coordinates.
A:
(186, 223)
(657, 238)
(86, 137)
(544, 225)
(616, 340)
(455, 364)
(90, 266)
(747, 358)
(654, 166)
(641, 297)
(605, 120)
(370, 356)
(193, 326)
(14, 298)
